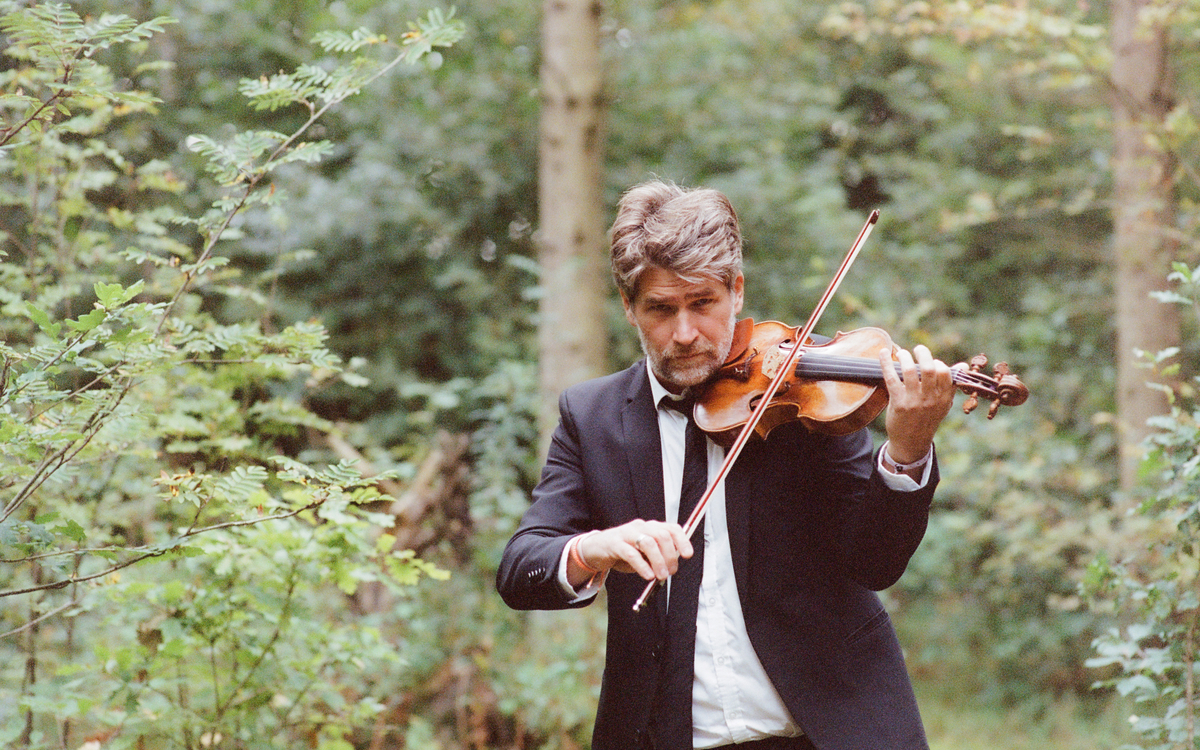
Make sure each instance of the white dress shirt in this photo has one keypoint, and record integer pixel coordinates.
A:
(733, 699)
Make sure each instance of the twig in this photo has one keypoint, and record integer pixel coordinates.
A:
(38, 619)
(253, 180)
(157, 552)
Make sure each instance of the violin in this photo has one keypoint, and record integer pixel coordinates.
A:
(834, 388)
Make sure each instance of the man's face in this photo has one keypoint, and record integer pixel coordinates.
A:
(686, 328)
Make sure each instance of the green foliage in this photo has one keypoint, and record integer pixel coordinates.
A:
(237, 643)
(979, 129)
(1152, 577)
(57, 49)
(442, 239)
(155, 490)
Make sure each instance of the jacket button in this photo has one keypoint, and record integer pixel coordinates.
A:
(656, 651)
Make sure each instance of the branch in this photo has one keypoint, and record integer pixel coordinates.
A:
(86, 387)
(60, 94)
(36, 620)
(90, 428)
(149, 553)
(254, 179)
(266, 650)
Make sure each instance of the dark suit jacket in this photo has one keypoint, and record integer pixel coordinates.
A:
(814, 532)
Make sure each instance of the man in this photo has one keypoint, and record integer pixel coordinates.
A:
(768, 633)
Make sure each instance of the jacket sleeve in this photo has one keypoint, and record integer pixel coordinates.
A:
(880, 527)
(528, 573)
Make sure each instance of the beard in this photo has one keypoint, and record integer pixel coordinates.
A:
(687, 366)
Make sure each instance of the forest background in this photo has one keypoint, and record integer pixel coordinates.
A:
(271, 286)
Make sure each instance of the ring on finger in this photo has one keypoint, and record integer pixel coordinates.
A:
(638, 542)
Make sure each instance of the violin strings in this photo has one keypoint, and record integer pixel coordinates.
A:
(834, 366)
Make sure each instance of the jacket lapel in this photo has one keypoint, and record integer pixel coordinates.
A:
(643, 449)
(643, 452)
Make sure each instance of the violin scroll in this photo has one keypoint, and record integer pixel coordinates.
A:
(1002, 387)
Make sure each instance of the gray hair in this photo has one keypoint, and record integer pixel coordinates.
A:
(692, 232)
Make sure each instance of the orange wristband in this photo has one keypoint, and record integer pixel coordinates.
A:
(578, 558)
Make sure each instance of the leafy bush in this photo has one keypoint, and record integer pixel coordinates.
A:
(1151, 578)
(161, 494)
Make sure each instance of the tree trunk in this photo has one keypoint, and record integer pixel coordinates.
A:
(572, 338)
(1143, 214)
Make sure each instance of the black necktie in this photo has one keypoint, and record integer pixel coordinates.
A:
(673, 722)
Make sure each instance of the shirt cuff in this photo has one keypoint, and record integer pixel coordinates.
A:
(903, 482)
(589, 590)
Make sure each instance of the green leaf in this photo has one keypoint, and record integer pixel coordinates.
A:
(115, 295)
(87, 322)
(1140, 685)
(345, 579)
(340, 41)
(240, 484)
(42, 319)
(72, 530)
(1171, 297)
(385, 542)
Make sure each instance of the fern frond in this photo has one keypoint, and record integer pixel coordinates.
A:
(341, 42)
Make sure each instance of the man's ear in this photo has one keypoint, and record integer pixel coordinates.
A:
(739, 287)
(628, 310)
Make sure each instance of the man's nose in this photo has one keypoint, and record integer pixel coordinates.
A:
(685, 329)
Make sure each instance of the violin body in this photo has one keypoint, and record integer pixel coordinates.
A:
(829, 406)
(835, 388)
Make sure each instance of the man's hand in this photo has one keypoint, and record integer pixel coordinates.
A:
(652, 549)
(917, 403)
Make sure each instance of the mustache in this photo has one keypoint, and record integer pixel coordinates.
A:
(676, 352)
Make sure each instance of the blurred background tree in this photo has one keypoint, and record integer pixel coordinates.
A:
(572, 339)
(983, 132)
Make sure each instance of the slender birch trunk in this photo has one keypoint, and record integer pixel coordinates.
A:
(571, 237)
(1143, 216)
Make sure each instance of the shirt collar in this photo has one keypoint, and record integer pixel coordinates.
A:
(658, 390)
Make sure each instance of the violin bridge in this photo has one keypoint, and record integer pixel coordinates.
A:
(775, 358)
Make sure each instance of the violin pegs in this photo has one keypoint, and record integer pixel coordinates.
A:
(975, 365)
(970, 404)
(1010, 391)
(998, 372)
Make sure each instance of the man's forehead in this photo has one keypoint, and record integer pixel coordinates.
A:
(691, 292)
(666, 285)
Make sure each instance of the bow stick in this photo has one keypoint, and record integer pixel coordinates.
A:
(788, 367)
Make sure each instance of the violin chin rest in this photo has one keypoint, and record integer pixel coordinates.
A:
(743, 330)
